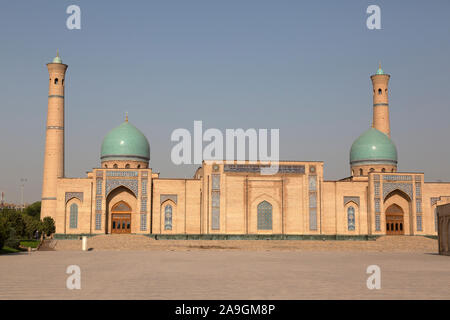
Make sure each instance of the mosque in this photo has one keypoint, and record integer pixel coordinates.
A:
(124, 195)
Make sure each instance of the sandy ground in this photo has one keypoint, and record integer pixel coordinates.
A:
(136, 242)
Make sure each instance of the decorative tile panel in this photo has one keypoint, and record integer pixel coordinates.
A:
(121, 174)
(256, 168)
(143, 222)
(98, 204)
(144, 186)
(395, 177)
(377, 205)
(312, 219)
(388, 187)
(312, 183)
(98, 186)
(215, 213)
(350, 199)
(351, 218)
(131, 184)
(78, 195)
(376, 186)
(418, 189)
(144, 204)
(98, 221)
(313, 200)
(165, 197)
(264, 212)
(419, 205)
(419, 222)
(215, 181)
(377, 222)
(434, 200)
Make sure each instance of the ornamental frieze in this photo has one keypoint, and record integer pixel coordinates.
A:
(112, 184)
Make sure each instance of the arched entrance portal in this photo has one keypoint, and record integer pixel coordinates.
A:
(394, 220)
(121, 218)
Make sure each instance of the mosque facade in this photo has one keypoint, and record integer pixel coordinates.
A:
(124, 194)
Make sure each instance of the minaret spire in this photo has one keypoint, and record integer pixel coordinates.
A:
(126, 116)
(380, 81)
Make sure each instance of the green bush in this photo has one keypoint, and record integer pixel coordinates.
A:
(13, 219)
(48, 226)
(34, 210)
(32, 224)
(13, 241)
(3, 233)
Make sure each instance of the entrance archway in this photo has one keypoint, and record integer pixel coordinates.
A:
(394, 220)
(121, 218)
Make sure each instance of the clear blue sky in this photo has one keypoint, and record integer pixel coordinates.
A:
(300, 66)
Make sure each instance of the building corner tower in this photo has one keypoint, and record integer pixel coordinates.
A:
(54, 137)
(380, 82)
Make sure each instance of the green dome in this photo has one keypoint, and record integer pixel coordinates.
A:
(380, 71)
(373, 147)
(125, 142)
(57, 59)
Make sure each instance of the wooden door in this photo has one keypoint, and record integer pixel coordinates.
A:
(394, 220)
(121, 218)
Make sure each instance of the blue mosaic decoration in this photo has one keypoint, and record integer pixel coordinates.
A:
(377, 205)
(99, 185)
(98, 204)
(71, 195)
(73, 216)
(313, 200)
(121, 174)
(98, 221)
(419, 205)
(143, 222)
(377, 222)
(143, 204)
(168, 217)
(376, 186)
(434, 200)
(395, 177)
(165, 197)
(351, 218)
(351, 199)
(215, 181)
(256, 168)
(388, 187)
(312, 183)
(264, 211)
(418, 189)
(144, 186)
(215, 212)
(313, 219)
(419, 222)
(131, 184)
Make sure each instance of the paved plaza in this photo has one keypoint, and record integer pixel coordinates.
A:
(224, 274)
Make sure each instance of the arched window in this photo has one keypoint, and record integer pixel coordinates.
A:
(73, 216)
(106, 166)
(360, 172)
(372, 169)
(115, 166)
(380, 91)
(56, 80)
(351, 218)
(383, 170)
(168, 217)
(139, 166)
(392, 170)
(127, 166)
(264, 216)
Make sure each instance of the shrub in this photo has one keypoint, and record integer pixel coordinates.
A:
(32, 225)
(13, 219)
(3, 232)
(48, 226)
(13, 241)
(34, 210)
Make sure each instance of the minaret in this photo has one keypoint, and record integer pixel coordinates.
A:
(380, 82)
(54, 138)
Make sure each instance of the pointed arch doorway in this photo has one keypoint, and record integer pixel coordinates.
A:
(121, 218)
(394, 220)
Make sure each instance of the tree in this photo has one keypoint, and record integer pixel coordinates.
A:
(3, 232)
(14, 220)
(48, 226)
(32, 225)
(34, 210)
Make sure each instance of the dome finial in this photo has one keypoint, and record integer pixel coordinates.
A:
(126, 116)
(57, 52)
(57, 59)
(379, 71)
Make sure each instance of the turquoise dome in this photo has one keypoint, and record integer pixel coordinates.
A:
(373, 147)
(125, 142)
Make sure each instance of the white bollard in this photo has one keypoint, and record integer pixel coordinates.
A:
(84, 243)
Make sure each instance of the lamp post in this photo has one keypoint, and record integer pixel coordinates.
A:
(22, 186)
